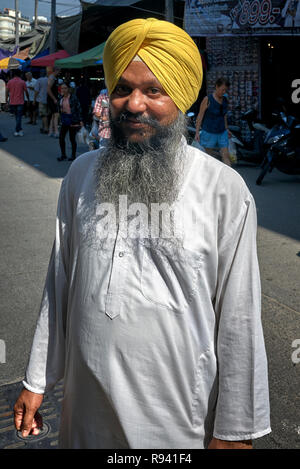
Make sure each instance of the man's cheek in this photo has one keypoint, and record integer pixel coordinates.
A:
(115, 107)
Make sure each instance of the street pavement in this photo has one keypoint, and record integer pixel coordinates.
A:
(30, 179)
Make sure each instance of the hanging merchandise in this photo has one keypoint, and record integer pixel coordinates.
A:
(236, 59)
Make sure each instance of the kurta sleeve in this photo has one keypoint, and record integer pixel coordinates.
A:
(242, 410)
(46, 362)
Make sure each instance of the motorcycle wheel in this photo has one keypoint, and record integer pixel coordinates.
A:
(264, 171)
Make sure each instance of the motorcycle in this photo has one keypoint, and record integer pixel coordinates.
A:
(250, 151)
(284, 151)
(191, 128)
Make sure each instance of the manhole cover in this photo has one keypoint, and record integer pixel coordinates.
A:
(32, 438)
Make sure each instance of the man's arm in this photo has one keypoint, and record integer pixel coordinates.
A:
(49, 90)
(26, 90)
(97, 107)
(203, 107)
(226, 125)
(222, 444)
(242, 408)
(36, 90)
(35, 96)
(47, 357)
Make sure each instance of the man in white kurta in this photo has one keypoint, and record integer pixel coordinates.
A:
(160, 345)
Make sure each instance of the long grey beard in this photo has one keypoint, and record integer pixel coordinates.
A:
(146, 172)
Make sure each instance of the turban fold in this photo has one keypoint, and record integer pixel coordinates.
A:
(167, 50)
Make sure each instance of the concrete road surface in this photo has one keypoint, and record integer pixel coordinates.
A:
(30, 179)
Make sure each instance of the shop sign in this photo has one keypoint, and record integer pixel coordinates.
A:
(242, 17)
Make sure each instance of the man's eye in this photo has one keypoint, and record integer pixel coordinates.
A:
(154, 90)
(122, 90)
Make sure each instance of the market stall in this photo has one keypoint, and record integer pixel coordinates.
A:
(251, 43)
(88, 58)
(10, 63)
(49, 60)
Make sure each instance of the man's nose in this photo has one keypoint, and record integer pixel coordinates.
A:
(136, 102)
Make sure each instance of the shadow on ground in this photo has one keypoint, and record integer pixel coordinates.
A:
(36, 149)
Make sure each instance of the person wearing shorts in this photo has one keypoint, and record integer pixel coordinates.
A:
(212, 121)
(52, 103)
(40, 97)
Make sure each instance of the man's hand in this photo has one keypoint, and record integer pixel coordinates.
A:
(197, 137)
(26, 417)
(222, 444)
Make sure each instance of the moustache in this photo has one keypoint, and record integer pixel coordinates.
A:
(126, 115)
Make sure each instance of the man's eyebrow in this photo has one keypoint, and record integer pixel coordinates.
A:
(152, 82)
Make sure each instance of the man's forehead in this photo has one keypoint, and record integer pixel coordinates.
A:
(138, 72)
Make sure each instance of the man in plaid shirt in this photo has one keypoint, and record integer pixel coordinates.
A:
(101, 112)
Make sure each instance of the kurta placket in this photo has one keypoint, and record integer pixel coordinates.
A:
(115, 293)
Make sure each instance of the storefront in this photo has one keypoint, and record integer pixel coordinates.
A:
(252, 43)
(280, 67)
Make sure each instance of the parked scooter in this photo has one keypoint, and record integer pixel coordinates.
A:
(250, 151)
(284, 151)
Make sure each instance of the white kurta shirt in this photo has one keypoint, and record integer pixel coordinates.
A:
(158, 347)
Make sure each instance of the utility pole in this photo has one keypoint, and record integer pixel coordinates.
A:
(36, 13)
(53, 27)
(169, 10)
(17, 31)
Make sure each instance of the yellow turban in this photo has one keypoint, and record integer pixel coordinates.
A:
(168, 51)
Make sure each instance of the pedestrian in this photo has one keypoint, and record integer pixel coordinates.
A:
(84, 96)
(212, 120)
(15, 89)
(31, 104)
(101, 120)
(71, 120)
(52, 102)
(40, 97)
(2, 93)
(154, 325)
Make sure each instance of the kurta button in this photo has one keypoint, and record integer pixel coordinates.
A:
(121, 254)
